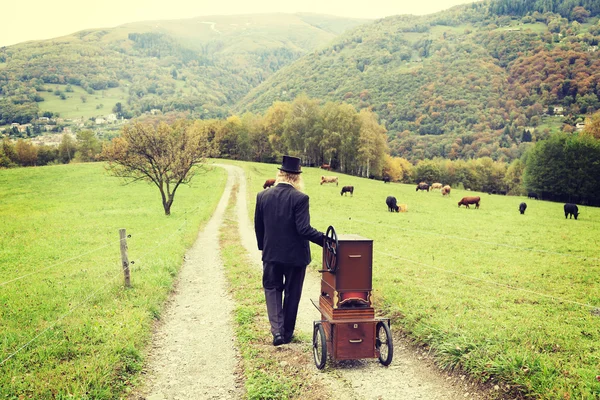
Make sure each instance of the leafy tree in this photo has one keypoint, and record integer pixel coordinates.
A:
(8, 156)
(372, 144)
(592, 125)
(26, 153)
(273, 123)
(526, 136)
(514, 177)
(259, 146)
(580, 14)
(396, 168)
(301, 129)
(47, 155)
(164, 155)
(565, 168)
(427, 171)
(67, 148)
(88, 146)
(338, 121)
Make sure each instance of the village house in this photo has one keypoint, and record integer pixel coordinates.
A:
(100, 121)
(579, 126)
(111, 118)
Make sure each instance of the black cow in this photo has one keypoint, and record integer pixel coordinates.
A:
(532, 195)
(422, 186)
(347, 189)
(386, 179)
(522, 208)
(391, 203)
(571, 210)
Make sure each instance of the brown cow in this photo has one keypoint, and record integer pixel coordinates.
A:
(435, 186)
(469, 200)
(269, 183)
(326, 167)
(446, 190)
(329, 179)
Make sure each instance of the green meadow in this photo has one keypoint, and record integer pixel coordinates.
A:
(99, 103)
(510, 298)
(68, 326)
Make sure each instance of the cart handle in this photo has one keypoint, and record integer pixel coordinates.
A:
(355, 340)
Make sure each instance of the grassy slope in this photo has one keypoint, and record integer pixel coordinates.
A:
(448, 277)
(98, 104)
(232, 55)
(60, 224)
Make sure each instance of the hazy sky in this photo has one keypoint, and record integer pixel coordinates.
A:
(43, 19)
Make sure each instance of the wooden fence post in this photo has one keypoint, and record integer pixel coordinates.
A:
(124, 259)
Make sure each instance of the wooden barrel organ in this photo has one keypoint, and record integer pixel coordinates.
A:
(348, 328)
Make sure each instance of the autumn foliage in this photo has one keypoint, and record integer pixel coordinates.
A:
(163, 155)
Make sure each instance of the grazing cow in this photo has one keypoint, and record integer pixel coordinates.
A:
(522, 208)
(422, 186)
(347, 189)
(269, 183)
(326, 167)
(469, 200)
(532, 195)
(436, 186)
(391, 203)
(571, 210)
(329, 179)
(446, 190)
(386, 179)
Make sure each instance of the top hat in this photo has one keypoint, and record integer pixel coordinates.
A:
(290, 164)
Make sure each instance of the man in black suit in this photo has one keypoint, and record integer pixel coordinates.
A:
(282, 226)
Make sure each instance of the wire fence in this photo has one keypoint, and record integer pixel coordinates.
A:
(462, 238)
(488, 281)
(92, 295)
(104, 246)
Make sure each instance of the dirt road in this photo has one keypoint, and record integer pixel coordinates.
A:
(193, 355)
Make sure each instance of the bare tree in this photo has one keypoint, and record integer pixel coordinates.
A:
(163, 155)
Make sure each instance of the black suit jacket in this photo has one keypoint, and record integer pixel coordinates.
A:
(282, 226)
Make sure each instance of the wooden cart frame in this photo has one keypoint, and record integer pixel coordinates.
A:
(351, 339)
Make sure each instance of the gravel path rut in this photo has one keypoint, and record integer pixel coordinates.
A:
(194, 357)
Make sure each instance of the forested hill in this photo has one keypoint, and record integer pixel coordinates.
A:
(472, 81)
(200, 65)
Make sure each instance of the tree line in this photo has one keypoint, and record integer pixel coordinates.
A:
(572, 9)
(564, 167)
(84, 147)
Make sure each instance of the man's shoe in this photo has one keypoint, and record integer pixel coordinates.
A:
(278, 339)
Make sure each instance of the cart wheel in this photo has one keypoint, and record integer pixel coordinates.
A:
(384, 344)
(319, 346)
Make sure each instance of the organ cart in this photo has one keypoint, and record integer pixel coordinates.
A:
(348, 328)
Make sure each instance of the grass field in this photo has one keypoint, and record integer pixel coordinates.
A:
(75, 332)
(510, 298)
(74, 107)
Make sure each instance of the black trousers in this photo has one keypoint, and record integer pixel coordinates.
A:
(283, 288)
